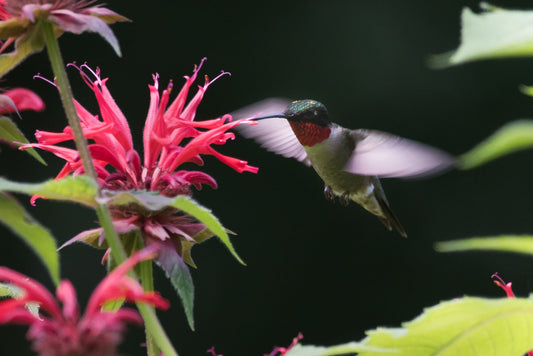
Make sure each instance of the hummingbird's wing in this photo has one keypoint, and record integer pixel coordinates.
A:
(266, 107)
(274, 134)
(381, 154)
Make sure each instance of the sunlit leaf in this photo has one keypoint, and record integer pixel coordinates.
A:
(512, 137)
(344, 349)
(463, 326)
(9, 132)
(493, 33)
(35, 235)
(180, 277)
(510, 243)
(79, 189)
(154, 202)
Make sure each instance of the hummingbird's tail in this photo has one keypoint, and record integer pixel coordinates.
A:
(390, 220)
(387, 216)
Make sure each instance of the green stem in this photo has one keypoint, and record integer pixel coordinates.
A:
(147, 280)
(102, 211)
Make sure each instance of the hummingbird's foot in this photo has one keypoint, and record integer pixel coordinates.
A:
(344, 199)
(328, 193)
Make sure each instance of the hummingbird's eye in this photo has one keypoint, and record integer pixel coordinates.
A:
(315, 113)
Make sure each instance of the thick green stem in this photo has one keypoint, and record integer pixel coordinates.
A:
(153, 326)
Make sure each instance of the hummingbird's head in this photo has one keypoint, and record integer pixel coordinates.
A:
(307, 110)
(309, 121)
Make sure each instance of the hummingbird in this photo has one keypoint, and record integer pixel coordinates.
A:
(350, 162)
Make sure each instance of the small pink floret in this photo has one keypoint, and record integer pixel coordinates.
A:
(507, 287)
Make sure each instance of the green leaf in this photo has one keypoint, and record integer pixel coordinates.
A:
(343, 349)
(494, 33)
(527, 90)
(463, 326)
(9, 132)
(30, 42)
(35, 235)
(180, 277)
(154, 202)
(511, 137)
(79, 189)
(510, 243)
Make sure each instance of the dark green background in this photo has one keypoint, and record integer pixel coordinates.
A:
(315, 267)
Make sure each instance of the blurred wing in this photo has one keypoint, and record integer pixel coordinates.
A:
(276, 135)
(381, 154)
(267, 107)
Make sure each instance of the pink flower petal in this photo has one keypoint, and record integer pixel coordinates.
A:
(25, 99)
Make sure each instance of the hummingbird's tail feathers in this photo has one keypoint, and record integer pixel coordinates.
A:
(389, 219)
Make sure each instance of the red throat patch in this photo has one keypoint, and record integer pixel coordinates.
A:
(309, 134)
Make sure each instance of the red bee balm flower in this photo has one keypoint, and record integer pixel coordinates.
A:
(166, 128)
(171, 137)
(60, 331)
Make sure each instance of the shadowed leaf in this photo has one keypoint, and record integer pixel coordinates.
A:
(10, 133)
(180, 277)
(35, 235)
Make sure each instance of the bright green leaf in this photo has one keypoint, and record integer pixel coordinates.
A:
(494, 33)
(35, 235)
(180, 277)
(154, 202)
(514, 136)
(528, 90)
(511, 243)
(463, 326)
(9, 132)
(79, 189)
(343, 349)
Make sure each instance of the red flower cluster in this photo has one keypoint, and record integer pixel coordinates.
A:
(167, 128)
(171, 137)
(60, 331)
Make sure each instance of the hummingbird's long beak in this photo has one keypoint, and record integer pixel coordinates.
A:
(278, 116)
